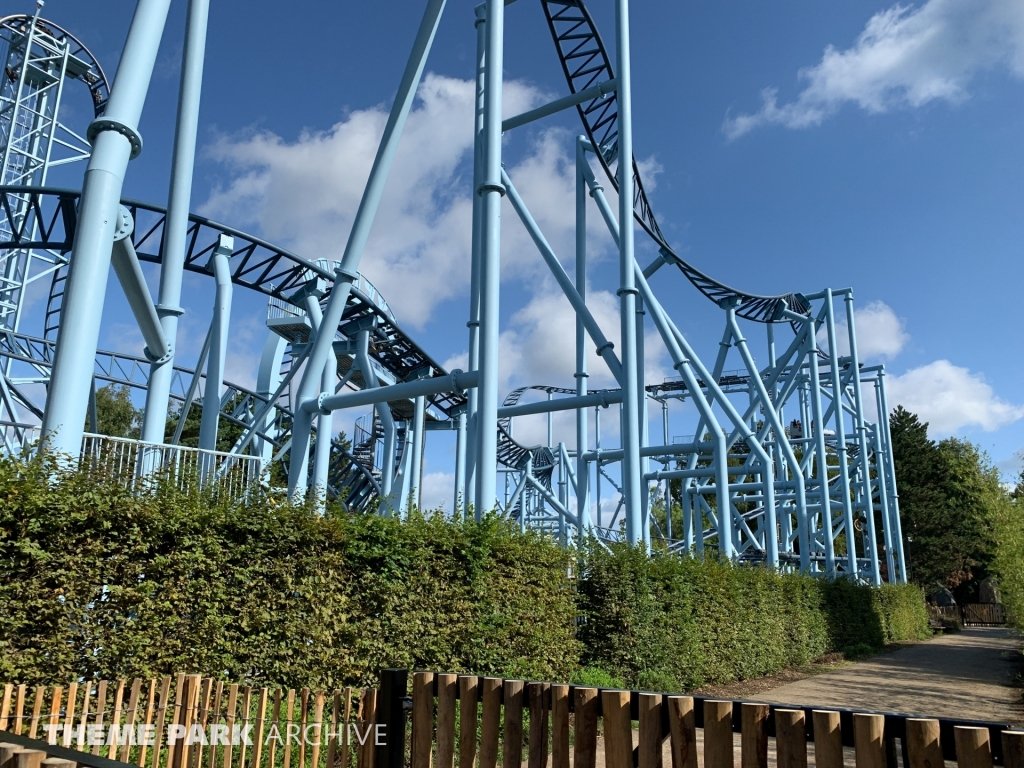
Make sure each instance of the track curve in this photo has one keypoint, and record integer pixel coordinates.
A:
(585, 63)
(97, 83)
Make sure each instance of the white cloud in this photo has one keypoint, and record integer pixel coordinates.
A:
(1011, 468)
(304, 193)
(437, 490)
(880, 333)
(906, 56)
(950, 398)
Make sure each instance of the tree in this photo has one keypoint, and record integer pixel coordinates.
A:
(948, 494)
(116, 415)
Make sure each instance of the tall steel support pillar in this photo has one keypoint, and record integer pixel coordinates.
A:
(840, 423)
(473, 397)
(267, 381)
(115, 140)
(419, 438)
(871, 544)
(179, 197)
(667, 495)
(324, 421)
(821, 454)
(221, 267)
(348, 271)
(459, 503)
(582, 438)
(491, 190)
(890, 467)
(629, 410)
(883, 501)
(641, 407)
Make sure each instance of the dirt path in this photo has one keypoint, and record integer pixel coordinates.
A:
(967, 674)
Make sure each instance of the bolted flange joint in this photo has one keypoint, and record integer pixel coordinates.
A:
(320, 404)
(167, 355)
(491, 186)
(125, 224)
(100, 124)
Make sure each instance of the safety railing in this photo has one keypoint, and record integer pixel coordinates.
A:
(133, 461)
(16, 435)
(280, 309)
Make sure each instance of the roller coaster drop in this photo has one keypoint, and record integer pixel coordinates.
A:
(816, 493)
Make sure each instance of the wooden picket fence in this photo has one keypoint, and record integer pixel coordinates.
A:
(193, 700)
(558, 726)
(983, 614)
(481, 722)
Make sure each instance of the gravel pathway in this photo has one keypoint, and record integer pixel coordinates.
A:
(969, 674)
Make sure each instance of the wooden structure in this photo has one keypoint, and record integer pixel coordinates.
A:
(441, 720)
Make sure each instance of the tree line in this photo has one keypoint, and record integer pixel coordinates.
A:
(961, 523)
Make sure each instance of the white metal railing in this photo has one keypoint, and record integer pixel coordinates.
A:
(133, 460)
(16, 436)
(279, 308)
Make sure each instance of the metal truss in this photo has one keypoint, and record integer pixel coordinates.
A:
(789, 461)
(39, 59)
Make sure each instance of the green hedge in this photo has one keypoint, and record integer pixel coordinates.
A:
(666, 623)
(1008, 560)
(98, 581)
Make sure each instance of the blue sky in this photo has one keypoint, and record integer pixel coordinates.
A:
(887, 157)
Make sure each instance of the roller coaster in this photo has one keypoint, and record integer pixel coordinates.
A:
(789, 464)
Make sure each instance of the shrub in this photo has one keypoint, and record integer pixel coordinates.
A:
(98, 581)
(667, 623)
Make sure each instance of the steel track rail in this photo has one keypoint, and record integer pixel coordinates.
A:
(255, 264)
(97, 83)
(585, 62)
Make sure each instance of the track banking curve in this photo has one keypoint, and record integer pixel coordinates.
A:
(585, 63)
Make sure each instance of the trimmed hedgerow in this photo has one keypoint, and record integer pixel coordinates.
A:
(98, 581)
(667, 623)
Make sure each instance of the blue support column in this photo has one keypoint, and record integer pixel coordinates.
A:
(221, 267)
(418, 436)
(473, 397)
(883, 503)
(348, 270)
(630, 430)
(324, 421)
(392, 501)
(668, 483)
(883, 419)
(840, 424)
(267, 381)
(172, 261)
(115, 140)
(858, 404)
(821, 454)
(491, 191)
(645, 462)
(459, 503)
(582, 438)
(597, 467)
